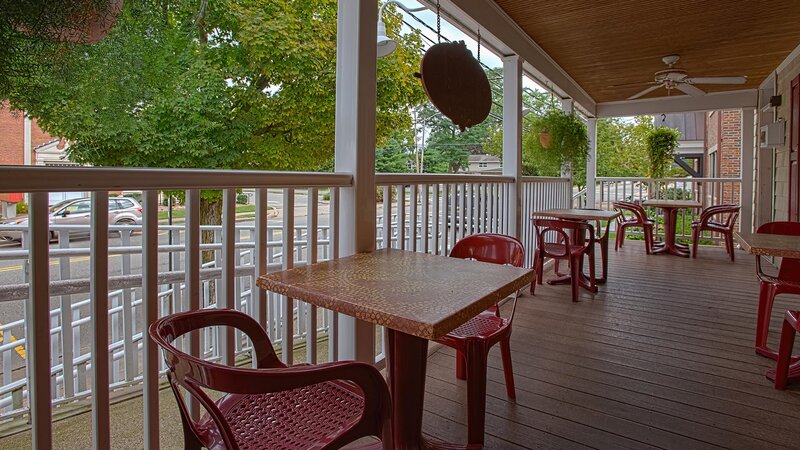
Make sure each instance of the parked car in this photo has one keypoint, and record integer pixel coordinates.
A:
(77, 211)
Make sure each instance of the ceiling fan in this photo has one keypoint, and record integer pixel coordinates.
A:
(676, 78)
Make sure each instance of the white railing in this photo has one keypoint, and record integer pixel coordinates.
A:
(131, 279)
(707, 191)
(58, 364)
(540, 193)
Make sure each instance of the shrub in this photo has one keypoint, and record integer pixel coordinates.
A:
(22, 208)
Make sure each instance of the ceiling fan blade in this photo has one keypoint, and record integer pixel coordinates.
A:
(716, 80)
(640, 83)
(689, 89)
(644, 92)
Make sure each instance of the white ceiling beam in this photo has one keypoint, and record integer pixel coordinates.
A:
(511, 39)
(746, 98)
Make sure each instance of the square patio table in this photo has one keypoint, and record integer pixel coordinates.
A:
(418, 297)
(584, 215)
(671, 207)
(777, 245)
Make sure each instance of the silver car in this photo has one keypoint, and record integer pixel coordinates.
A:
(77, 211)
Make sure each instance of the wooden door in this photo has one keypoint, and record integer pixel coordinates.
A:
(794, 145)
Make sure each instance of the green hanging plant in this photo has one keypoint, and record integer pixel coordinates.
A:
(563, 134)
(661, 145)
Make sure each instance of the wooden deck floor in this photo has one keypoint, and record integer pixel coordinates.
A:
(661, 357)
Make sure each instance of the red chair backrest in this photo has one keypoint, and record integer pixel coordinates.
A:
(490, 248)
(192, 373)
(731, 210)
(636, 210)
(790, 267)
(559, 228)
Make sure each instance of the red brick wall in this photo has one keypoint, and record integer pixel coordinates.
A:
(12, 136)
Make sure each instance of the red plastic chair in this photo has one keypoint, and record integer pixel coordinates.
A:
(570, 248)
(273, 406)
(473, 339)
(786, 282)
(725, 226)
(786, 370)
(637, 217)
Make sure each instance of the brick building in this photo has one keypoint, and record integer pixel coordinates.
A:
(23, 142)
(724, 152)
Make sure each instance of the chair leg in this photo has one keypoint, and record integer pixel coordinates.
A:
(508, 370)
(648, 239)
(729, 242)
(592, 277)
(620, 230)
(476, 353)
(621, 236)
(765, 300)
(461, 366)
(695, 241)
(784, 355)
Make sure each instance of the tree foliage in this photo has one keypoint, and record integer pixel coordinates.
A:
(622, 147)
(237, 84)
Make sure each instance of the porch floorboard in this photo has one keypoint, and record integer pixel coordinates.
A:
(661, 357)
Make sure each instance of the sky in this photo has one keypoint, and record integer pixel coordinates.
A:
(451, 33)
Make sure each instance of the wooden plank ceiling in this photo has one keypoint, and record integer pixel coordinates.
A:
(602, 43)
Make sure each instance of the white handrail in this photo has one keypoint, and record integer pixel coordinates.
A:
(88, 179)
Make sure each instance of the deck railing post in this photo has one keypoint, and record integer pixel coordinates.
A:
(38, 319)
(356, 102)
(748, 157)
(591, 162)
(512, 139)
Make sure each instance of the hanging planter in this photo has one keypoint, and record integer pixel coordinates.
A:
(545, 138)
(563, 134)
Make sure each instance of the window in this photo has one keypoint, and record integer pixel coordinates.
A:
(78, 207)
(124, 203)
(483, 164)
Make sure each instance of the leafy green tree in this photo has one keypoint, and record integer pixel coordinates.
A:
(622, 147)
(228, 84)
(395, 155)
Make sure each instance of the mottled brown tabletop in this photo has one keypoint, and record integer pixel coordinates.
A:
(577, 214)
(415, 293)
(763, 244)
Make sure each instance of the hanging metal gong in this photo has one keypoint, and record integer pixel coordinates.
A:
(456, 84)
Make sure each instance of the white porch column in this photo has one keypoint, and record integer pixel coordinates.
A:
(512, 138)
(566, 106)
(356, 94)
(27, 141)
(749, 149)
(591, 162)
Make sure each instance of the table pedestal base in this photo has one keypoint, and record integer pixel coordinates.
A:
(406, 363)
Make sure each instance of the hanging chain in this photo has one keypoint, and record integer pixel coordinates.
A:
(479, 45)
(438, 22)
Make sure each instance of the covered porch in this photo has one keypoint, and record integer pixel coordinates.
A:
(661, 357)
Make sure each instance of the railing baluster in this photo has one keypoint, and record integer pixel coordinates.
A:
(333, 336)
(435, 217)
(150, 301)
(225, 335)
(425, 216)
(66, 320)
(311, 221)
(452, 223)
(101, 425)
(387, 217)
(192, 274)
(38, 318)
(287, 344)
(412, 224)
(130, 348)
(401, 216)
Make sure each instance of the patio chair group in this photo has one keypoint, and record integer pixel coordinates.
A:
(719, 219)
(341, 401)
